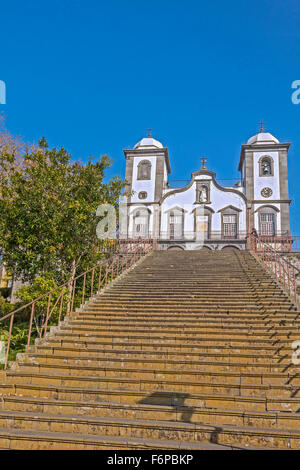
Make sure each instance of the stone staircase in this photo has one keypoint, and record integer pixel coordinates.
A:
(189, 350)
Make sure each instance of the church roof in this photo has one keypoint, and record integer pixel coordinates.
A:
(148, 142)
(263, 138)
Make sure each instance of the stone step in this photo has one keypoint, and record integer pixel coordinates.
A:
(242, 288)
(161, 288)
(198, 275)
(150, 429)
(196, 303)
(150, 385)
(193, 305)
(198, 327)
(173, 351)
(208, 364)
(157, 371)
(157, 397)
(19, 439)
(177, 413)
(190, 353)
(189, 292)
(173, 335)
(188, 308)
(219, 276)
(146, 322)
(242, 317)
(253, 360)
(141, 342)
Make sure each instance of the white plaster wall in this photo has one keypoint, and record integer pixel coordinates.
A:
(261, 182)
(143, 185)
(219, 200)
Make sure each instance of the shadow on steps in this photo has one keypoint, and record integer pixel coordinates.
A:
(184, 412)
(171, 399)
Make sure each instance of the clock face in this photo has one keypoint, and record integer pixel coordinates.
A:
(266, 192)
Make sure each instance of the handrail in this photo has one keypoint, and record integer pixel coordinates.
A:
(286, 261)
(284, 271)
(285, 243)
(292, 266)
(127, 254)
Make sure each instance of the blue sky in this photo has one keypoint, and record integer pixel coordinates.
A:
(93, 75)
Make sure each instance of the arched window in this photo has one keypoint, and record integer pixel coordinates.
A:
(267, 219)
(144, 170)
(266, 166)
(230, 222)
(267, 223)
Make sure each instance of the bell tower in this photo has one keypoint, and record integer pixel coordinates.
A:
(263, 167)
(147, 169)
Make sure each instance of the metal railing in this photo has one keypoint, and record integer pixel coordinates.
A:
(208, 236)
(283, 270)
(72, 294)
(282, 242)
(191, 235)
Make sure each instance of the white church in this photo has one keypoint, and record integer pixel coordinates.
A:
(205, 213)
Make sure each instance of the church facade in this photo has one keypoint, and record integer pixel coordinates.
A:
(205, 213)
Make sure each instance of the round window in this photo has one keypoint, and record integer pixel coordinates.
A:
(142, 195)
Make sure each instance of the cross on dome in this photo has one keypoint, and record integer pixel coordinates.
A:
(203, 161)
(262, 137)
(261, 123)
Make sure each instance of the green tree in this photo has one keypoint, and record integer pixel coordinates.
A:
(48, 209)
